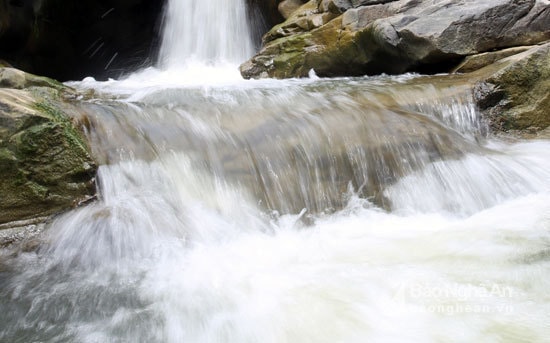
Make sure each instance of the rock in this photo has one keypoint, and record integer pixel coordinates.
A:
(476, 62)
(340, 6)
(396, 37)
(328, 50)
(287, 7)
(357, 18)
(45, 165)
(18, 79)
(23, 234)
(301, 20)
(513, 93)
(441, 32)
(12, 78)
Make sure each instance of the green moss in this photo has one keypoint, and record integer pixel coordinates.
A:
(74, 138)
(288, 64)
(52, 112)
(5, 156)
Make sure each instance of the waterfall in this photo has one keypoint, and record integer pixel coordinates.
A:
(369, 209)
(206, 31)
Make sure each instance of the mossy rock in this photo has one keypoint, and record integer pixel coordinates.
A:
(45, 164)
(330, 50)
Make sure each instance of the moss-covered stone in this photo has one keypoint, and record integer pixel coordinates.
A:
(45, 164)
(330, 50)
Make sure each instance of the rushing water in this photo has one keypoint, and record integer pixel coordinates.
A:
(210, 31)
(313, 210)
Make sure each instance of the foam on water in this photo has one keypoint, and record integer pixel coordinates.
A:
(171, 255)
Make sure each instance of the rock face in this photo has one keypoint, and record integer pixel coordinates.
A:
(67, 39)
(515, 94)
(287, 7)
(45, 165)
(357, 37)
(478, 61)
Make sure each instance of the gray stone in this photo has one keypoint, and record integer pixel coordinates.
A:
(451, 28)
(340, 6)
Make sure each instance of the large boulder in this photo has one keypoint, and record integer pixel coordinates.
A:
(45, 164)
(373, 37)
(514, 92)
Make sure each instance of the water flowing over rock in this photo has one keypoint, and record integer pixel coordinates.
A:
(358, 37)
(45, 165)
(303, 152)
(250, 204)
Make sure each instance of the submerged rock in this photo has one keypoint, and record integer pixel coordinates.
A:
(372, 37)
(45, 165)
(304, 146)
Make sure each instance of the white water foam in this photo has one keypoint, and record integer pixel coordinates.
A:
(170, 254)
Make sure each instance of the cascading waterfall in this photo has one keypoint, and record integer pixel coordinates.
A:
(206, 31)
(331, 210)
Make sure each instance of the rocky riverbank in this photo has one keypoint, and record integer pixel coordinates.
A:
(358, 37)
(505, 41)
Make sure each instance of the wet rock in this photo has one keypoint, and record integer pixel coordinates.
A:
(45, 165)
(513, 93)
(22, 235)
(395, 37)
